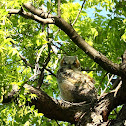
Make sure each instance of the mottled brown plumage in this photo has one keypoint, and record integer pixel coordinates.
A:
(73, 84)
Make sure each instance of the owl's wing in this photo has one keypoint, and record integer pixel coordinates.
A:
(85, 87)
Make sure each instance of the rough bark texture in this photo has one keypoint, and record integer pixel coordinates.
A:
(78, 113)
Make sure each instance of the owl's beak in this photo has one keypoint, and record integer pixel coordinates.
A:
(69, 66)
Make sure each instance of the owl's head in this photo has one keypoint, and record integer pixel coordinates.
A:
(70, 62)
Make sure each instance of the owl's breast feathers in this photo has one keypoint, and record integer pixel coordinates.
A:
(76, 86)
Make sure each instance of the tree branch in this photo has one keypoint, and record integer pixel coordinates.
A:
(106, 86)
(115, 82)
(58, 9)
(53, 109)
(37, 12)
(99, 58)
(22, 57)
(50, 72)
(39, 54)
(41, 78)
(79, 13)
(30, 16)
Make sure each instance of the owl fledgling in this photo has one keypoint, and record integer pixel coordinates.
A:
(73, 84)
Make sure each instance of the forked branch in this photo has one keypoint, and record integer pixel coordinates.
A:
(42, 17)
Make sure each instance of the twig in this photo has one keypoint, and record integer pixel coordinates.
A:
(58, 9)
(25, 61)
(57, 31)
(50, 72)
(117, 88)
(116, 82)
(33, 76)
(106, 86)
(41, 77)
(57, 123)
(22, 57)
(61, 42)
(41, 49)
(102, 80)
(79, 13)
(59, 48)
(37, 68)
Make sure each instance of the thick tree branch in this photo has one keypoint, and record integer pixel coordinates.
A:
(37, 12)
(53, 109)
(99, 58)
(71, 112)
(30, 16)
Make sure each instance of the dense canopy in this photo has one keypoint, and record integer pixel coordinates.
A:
(34, 36)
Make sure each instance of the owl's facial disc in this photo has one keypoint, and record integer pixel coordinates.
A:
(70, 62)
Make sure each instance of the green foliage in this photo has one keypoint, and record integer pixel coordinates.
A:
(114, 112)
(20, 36)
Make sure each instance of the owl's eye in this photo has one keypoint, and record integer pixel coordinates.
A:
(64, 63)
(74, 63)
